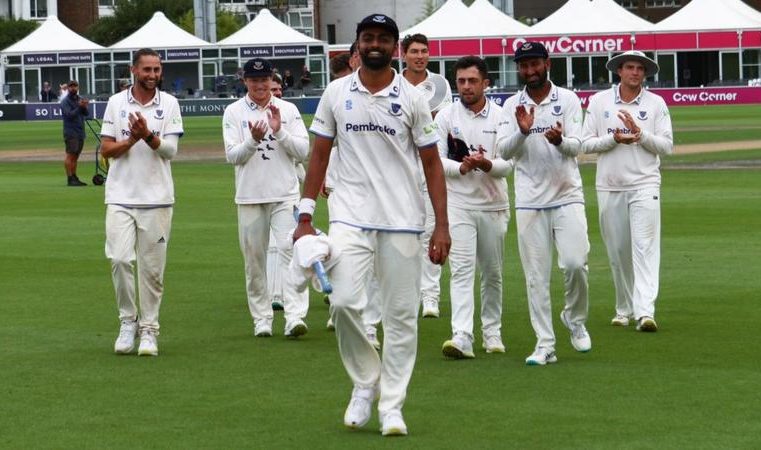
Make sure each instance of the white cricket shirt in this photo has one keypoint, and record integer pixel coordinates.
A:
(622, 167)
(265, 171)
(546, 175)
(476, 190)
(376, 177)
(141, 176)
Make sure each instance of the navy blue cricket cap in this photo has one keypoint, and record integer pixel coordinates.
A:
(531, 50)
(257, 67)
(380, 21)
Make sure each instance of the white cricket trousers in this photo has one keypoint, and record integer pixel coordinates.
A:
(538, 230)
(138, 235)
(431, 273)
(478, 239)
(630, 224)
(396, 260)
(275, 271)
(254, 223)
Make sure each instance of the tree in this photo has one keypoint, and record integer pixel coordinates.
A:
(12, 31)
(227, 23)
(130, 15)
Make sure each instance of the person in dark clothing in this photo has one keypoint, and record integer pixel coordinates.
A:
(306, 78)
(287, 80)
(47, 94)
(74, 111)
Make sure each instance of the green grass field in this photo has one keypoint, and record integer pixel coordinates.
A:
(691, 125)
(691, 385)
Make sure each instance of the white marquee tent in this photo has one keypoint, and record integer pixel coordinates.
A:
(590, 17)
(160, 33)
(267, 29)
(494, 22)
(711, 15)
(52, 36)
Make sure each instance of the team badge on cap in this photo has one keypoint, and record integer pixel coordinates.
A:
(531, 50)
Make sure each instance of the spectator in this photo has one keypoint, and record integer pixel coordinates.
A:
(306, 78)
(47, 94)
(74, 110)
(63, 91)
(123, 84)
(287, 79)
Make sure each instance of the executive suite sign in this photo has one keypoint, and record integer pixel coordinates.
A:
(42, 59)
(268, 51)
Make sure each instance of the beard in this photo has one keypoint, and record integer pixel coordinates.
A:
(537, 83)
(375, 62)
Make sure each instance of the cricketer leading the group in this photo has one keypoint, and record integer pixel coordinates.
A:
(384, 126)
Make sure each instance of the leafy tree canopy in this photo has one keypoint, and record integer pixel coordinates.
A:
(130, 15)
(227, 23)
(12, 31)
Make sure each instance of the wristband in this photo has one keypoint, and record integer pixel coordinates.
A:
(148, 139)
(306, 206)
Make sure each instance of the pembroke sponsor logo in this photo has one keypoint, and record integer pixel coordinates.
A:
(372, 127)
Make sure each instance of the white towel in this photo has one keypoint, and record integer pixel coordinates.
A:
(306, 251)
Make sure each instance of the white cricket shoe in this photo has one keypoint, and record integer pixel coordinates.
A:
(493, 344)
(125, 342)
(295, 328)
(330, 325)
(430, 307)
(149, 345)
(580, 339)
(459, 347)
(541, 357)
(360, 407)
(647, 324)
(620, 320)
(392, 424)
(263, 328)
(372, 336)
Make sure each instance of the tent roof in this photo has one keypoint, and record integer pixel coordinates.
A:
(453, 19)
(711, 15)
(494, 22)
(52, 36)
(160, 32)
(267, 29)
(590, 17)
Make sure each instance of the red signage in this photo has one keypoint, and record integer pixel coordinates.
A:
(698, 96)
(601, 44)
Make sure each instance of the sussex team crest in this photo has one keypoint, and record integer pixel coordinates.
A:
(396, 109)
(642, 115)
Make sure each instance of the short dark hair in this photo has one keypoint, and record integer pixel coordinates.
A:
(339, 63)
(353, 48)
(410, 38)
(277, 79)
(144, 52)
(470, 61)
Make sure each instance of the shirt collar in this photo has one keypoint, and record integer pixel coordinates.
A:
(156, 97)
(551, 97)
(254, 107)
(392, 90)
(637, 99)
(484, 111)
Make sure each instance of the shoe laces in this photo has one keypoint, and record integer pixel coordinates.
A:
(579, 332)
(430, 302)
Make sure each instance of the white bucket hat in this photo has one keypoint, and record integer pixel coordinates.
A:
(651, 67)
